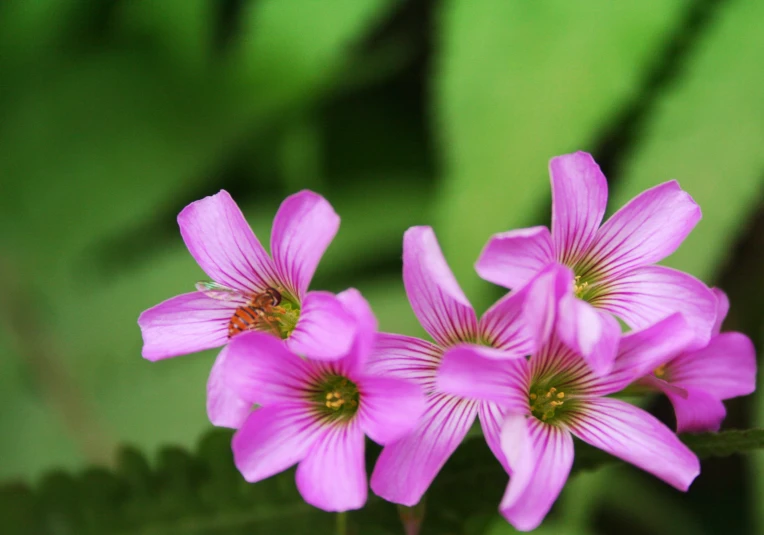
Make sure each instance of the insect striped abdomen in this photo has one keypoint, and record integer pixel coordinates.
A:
(245, 318)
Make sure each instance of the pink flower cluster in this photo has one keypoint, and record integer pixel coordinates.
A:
(304, 376)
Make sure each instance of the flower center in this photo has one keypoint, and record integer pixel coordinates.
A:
(336, 397)
(545, 402)
(579, 287)
(269, 312)
(660, 371)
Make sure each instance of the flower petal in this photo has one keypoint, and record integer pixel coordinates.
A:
(540, 457)
(722, 309)
(365, 328)
(649, 294)
(592, 333)
(543, 299)
(223, 244)
(260, 369)
(484, 374)
(332, 476)
(491, 418)
(325, 329)
(184, 324)
(503, 326)
(224, 407)
(725, 368)
(437, 300)
(272, 439)
(405, 357)
(390, 407)
(631, 434)
(303, 228)
(406, 468)
(513, 258)
(579, 199)
(648, 229)
(640, 352)
(698, 412)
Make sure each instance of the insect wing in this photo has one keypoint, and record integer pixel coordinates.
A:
(219, 292)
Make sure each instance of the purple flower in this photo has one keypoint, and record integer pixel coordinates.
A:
(250, 290)
(696, 382)
(406, 468)
(316, 413)
(554, 395)
(612, 263)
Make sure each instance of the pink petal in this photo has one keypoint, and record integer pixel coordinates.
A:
(405, 357)
(274, 438)
(698, 412)
(640, 352)
(390, 407)
(725, 368)
(303, 228)
(491, 418)
(224, 407)
(223, 244)
(592, 333)
(260, 369)
(184, 324)
(325, 329)
(648, 229)
(649, 294)
(540, 457)
(405, 469)
(512, 258)
(631, 434)
(365, 327)
(722, 308)
(332, 476)
(503, 326)
(484, 374)
(579, 199)
(542, 301)
(437, 300)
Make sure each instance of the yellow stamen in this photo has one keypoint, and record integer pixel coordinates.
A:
(660, 371)
(579, 287)
(544, 404)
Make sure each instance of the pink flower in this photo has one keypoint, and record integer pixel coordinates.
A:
(316, 413)
(251, 290)
(554, 395)
(406, 468)
(696, 382)
(612, 263)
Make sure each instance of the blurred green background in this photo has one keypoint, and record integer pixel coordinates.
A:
(114, 114)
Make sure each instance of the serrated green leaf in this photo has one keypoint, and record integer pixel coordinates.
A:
(183, 494)
(707, 131)
(725, 443)
(518, 83)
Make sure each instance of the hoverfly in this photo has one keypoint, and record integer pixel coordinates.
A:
(254, 311)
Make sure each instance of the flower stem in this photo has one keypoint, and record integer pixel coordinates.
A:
(342, 524)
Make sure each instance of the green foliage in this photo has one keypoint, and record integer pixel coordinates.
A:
(204, 493)
(521, 81)
(706, 131)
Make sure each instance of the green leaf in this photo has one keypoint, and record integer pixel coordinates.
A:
(725, 443)
(707, 132)
(518, 83)
(185, 493)
(313, 42)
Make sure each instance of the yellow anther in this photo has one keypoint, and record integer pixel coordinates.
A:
(533, 396)
(561, 395)
(660, 371)
(579, 287)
